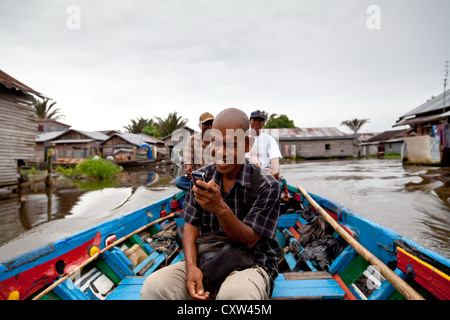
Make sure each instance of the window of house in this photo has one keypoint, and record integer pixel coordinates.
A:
(327, 146)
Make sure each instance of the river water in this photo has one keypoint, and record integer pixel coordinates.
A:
(411, 200)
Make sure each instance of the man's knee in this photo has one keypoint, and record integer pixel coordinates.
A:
(248, 284)
(151, 287)
(168, 283)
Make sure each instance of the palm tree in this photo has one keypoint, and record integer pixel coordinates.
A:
(268, 117)
(170, 124)
(43, 110)
(354, 124)
(137, 125)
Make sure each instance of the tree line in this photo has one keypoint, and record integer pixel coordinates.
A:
(161, 127)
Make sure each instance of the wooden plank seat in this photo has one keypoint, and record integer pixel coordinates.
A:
(309, 285)
(128, 289)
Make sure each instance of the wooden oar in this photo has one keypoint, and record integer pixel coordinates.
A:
(96, 255)
(406, 290)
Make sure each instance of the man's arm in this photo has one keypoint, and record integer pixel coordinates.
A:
(211, 200)
(194, 282)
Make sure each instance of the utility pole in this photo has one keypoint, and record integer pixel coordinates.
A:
(446, 65)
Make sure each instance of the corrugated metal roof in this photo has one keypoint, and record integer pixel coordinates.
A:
(436, 103)
(422, 119)
(10, 82)
(47, 136)
(389, 135)
(137, 138)
(72, 141)
(305, 132)
(93, 134)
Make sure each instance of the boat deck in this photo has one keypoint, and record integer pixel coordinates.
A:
(314, 284)
(302, 285)
(119, 271)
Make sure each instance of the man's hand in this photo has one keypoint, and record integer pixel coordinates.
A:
(209, 199)
(195, 284)
(188, 168)
(274, 173)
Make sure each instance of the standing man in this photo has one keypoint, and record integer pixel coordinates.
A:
(194, 155)
(219, 205)
(264, 151)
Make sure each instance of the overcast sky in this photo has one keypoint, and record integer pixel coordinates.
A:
(318, 62)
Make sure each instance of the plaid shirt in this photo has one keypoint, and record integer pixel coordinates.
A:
(262, 216)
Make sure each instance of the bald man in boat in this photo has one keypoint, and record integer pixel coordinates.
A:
(218, 205)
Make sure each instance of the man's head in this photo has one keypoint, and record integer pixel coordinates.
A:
(257, 119)
(230, 140)
(205, 122)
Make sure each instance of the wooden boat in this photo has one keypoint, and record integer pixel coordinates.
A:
(110, 261)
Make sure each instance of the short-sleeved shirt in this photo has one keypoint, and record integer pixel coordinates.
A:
(262, 216)
(264, 148)
(196, 153)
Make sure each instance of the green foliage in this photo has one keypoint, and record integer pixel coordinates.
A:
(67, 171)
(354, 124)
(93, 168)
(137, 125)
(392, 155)
(170, 124)
(281, 121)
(152, 131)
(43, 110)
(99, 168)
(159, 128)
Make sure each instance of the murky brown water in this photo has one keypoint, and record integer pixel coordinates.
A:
(411, 200)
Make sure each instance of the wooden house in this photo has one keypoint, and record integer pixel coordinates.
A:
(428, 138)
(18, 127)
(43, 145)
(386, 142)
(314, 143)
(51, 125)
(130, 146)
(73, 146)
(176, 141)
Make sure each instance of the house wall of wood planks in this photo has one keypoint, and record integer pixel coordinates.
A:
(18, 130)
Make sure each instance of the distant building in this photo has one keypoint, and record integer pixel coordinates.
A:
(43, 144)
(386, 142)
(428, 139)
(50, 125)
(315, 143)
(130, 146)
(73, 146)
(176, 141)
(18, 127)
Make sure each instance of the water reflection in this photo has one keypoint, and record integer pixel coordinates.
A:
(70, 199)
(430, 179)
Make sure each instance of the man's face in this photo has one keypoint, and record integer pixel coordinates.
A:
(230, 146)
(256, 124)
(207, 125)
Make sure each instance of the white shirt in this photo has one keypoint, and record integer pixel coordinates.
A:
(264, 148)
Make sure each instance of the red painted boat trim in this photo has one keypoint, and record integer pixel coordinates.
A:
(429, 277)
(348, 294)
(33, 279)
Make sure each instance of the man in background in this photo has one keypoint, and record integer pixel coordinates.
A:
(264, 151)
(194, 156)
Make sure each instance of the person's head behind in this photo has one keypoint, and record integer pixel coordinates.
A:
(230, 140)
(205, 123)
(257, 120)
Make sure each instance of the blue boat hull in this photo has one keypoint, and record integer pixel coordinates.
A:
(115, 276)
